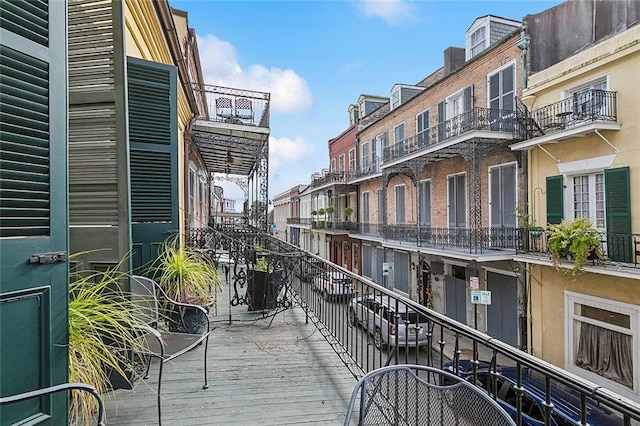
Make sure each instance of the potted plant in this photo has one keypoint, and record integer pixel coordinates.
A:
(528, 232)
(574, 240)
(186, 275)
(321, 212)
(328, 211)
(260, 294)
(347, 212)
(314, 213)
(102, 323)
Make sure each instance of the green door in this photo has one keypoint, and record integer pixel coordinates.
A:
(33, 208)
(153, 156)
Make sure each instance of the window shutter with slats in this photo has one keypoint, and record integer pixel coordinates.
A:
(555, 199)
(618, 212)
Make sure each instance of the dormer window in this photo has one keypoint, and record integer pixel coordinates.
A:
(478, 41)
(395, 98)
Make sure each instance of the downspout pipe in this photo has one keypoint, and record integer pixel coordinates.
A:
(169, 28)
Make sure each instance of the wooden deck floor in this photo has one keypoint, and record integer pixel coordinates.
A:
(274, 371)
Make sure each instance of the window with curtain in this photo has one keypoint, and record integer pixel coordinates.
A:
(588, 195)
(603, 337)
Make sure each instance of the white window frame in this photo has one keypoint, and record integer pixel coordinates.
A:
(352, 159)
(365, 156)
(571, 340)
(479, 43)
(603, 80)
(515, 177)
(466, 197)
(396, 98)
(449, 103)
(426, 126)
(501, 96)
(341, 163)
(333, 165)
(366, 218)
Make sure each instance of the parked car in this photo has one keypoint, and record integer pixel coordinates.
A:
(566, 402)
(334, 285)
(388, 321)
(309, 269)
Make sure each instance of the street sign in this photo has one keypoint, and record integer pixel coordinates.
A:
(387, 268)
(474, 283)
(481, 297)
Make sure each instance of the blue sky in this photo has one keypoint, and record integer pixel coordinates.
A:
(316, 57)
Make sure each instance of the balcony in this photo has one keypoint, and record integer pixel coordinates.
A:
(330, 178)
(478, 121)
(366, 170)
(620, 250)
(261, 359)
(585, 112)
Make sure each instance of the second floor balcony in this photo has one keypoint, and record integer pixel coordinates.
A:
(488, 122)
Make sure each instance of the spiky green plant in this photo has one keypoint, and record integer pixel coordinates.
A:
(102, 323)
(185, 274)
(574, 240)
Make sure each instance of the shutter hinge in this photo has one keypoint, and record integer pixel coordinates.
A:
(46, 258)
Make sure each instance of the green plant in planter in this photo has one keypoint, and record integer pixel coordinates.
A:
(262, 265)
(524, 218)
(102, 322)
(347, 212)
(574, 240)
(186, 274)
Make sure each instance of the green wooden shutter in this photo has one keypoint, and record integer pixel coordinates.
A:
(27, 18)
(153, 156)
(555, 199)
(618, 209)
(24, 163)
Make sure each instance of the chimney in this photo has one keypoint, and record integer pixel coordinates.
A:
(453, 59)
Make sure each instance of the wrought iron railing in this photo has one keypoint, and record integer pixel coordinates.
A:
(234, 106)
(330, 178)
(618, 249)
(343, 321)
(305, 221)
(477, 118)
(367, 169)
(580, 109)
(472, 240)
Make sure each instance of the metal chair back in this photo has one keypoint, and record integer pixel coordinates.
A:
(421, 395)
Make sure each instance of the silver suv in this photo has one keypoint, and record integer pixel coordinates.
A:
(333, 285)
(379, 314)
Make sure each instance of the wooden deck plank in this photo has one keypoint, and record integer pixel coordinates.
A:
(261, 372)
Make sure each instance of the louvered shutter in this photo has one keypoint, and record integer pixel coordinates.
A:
(555, 199)
(33, 209)
(441, 120)
(153, 152)
(618, 210)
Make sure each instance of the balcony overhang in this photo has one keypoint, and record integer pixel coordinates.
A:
(573, 132)
(229, 148)
(441, 150)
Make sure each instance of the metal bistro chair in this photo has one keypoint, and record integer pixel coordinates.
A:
(65, 387)
(244, 109)
(158, 342)
(405, 395)
(224, 108)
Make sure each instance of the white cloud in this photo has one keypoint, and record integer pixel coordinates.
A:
(288, 163)
(289, 91)
(393, 11)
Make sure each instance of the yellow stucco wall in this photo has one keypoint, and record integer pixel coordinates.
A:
(547, 315)
(145, 39)
(619, 60)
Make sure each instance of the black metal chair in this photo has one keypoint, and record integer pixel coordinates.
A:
(158, 342)
(420, 395)
(58, 388)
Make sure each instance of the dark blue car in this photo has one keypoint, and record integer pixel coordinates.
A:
(566, 402)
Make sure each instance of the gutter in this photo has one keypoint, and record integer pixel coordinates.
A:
(169, 28)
